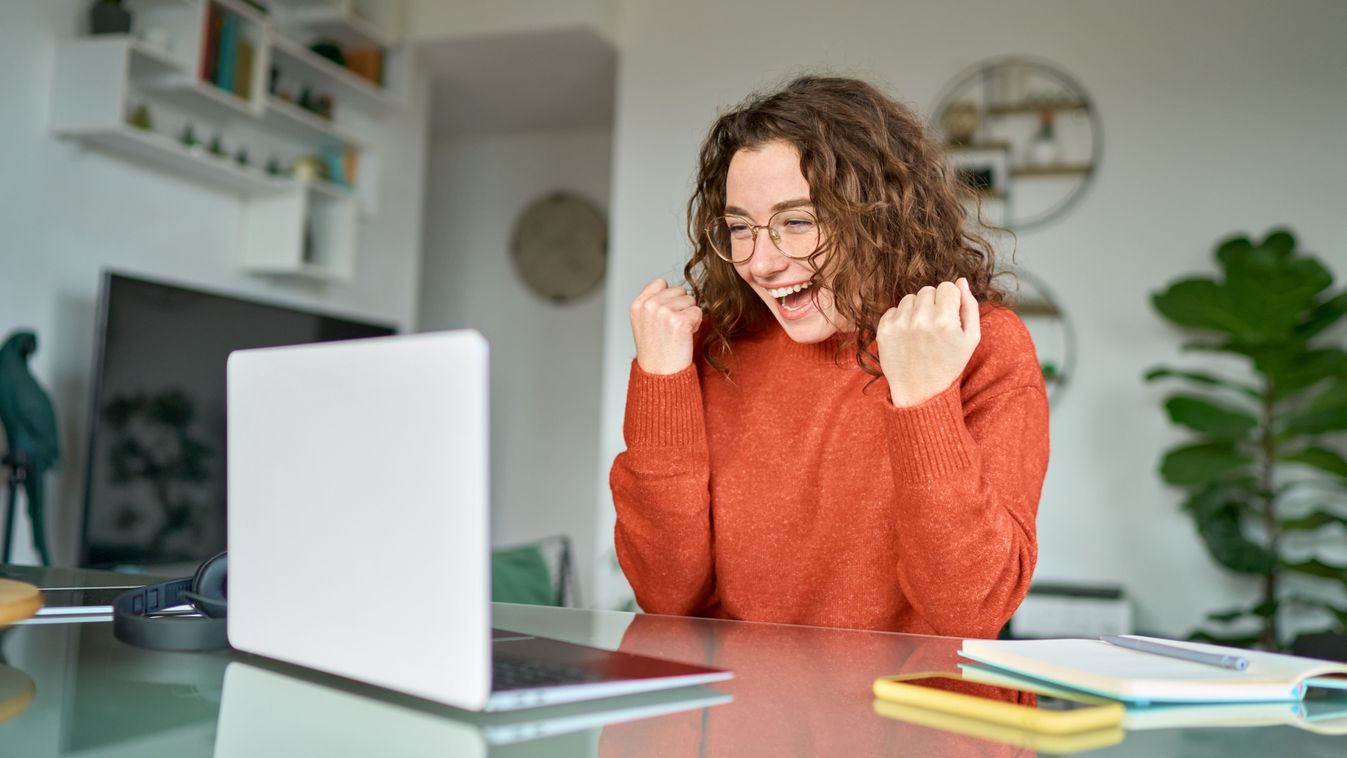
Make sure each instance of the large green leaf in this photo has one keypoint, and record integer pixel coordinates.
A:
(1194, 465)
(1233, 640)
(1311, 521)
(1303, 369)
(1226, 617)
(1316, 567)
(1282, 241)
(1201, 377)
(1322, 316)
(1327, 412)
(1220, 523)
(1214, 420)
(1270, 289)
(1198, 304)
(1319, 457)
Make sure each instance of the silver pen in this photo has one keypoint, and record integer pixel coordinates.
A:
(1235, 662)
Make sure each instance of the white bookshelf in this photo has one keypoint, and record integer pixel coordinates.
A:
(292, 228)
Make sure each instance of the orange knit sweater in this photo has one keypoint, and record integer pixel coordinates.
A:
(794, 493)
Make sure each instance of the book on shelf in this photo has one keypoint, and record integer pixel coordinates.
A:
(243, 70)
(210, 43)
(228, 52)
(1134, 676)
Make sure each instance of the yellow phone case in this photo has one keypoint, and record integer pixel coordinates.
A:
(1040, 742)
(1101, 715)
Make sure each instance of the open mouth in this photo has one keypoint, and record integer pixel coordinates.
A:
(794, 297)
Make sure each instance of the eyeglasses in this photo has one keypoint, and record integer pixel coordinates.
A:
(794, 232)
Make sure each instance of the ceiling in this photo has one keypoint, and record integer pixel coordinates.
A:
(536, 81)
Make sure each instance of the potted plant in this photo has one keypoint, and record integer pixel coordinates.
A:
(1264, 473)
(109, 17)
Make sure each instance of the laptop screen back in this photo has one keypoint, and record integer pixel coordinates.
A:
(358, 511)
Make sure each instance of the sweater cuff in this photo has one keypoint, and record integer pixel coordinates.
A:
(930, 441)
(664, 410)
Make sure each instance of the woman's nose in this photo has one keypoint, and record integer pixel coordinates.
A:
(767, 259)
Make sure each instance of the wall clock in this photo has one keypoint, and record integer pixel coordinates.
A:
(560, 246)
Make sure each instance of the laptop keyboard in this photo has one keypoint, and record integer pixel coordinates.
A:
(510, 673)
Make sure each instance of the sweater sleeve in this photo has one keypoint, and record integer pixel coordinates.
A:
(661, 494)
(968, 468)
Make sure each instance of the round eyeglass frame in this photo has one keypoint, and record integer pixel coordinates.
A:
(718, 225)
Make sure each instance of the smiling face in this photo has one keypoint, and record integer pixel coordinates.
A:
(762, 181)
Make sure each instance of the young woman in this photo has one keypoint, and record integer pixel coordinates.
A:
(839, 425)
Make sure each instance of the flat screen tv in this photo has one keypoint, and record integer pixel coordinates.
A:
(155, 479)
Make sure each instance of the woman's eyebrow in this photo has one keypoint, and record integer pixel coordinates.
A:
(781, 206)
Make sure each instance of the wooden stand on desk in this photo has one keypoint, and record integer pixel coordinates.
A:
(18, 601)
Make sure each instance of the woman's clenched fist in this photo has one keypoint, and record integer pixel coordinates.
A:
(663, 320)
(925, 342)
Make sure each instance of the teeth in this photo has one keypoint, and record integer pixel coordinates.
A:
(782, 292)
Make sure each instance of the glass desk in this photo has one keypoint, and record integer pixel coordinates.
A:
(73, 690)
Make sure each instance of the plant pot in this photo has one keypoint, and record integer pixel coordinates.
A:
(105, 18)
(1325, 645)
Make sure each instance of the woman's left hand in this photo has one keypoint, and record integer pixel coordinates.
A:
(926, 341)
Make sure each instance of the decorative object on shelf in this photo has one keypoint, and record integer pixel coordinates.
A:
(29, 422)
(109, 17)
(274, 167)
(308, 168)
(330, 50)
(306, 99)
(335, 170)
(351, 166)
(322, 105)
(141, 118)
(1265, 472)
(188, 137)
(217, 147)
(241, 157)
(560, 246)
(368, 63)
(960, 122)
(1033, 125)
(1044, 149)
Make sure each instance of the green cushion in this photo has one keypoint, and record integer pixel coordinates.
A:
(520, 575)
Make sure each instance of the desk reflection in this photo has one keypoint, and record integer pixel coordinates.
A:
(797, 691)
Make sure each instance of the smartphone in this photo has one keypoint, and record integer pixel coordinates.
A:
(1049, 711)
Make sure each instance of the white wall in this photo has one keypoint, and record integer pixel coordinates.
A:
(66, 212)
(434, 20)
(545, 358)
(1218, 116)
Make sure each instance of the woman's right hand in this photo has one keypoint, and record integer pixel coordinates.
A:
(663, 321)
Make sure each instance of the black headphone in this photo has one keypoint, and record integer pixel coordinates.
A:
(134, 624)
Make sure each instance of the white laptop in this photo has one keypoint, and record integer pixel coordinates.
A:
(358, 528)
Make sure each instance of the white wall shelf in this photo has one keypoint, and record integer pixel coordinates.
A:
(291, 118)
(292, 228)
(195, 163)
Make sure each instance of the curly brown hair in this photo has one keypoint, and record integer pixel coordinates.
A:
(885, 196)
